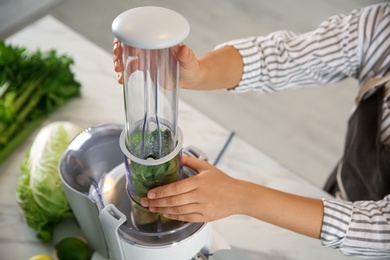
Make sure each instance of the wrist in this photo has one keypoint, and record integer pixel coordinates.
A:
(246, 198)
(221, 68)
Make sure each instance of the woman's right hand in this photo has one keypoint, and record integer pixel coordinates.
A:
(188, 62)
(209, 195)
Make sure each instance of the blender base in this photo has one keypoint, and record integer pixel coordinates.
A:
(126, 242)
(92, 156)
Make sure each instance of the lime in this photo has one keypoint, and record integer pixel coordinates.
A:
(72, 248)
(41, 257)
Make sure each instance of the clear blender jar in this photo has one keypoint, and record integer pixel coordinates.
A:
(151, 140)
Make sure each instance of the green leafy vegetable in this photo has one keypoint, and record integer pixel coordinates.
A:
(154, 145)
(147, 177)
(40, 194)
(32, 85)
(151, 144)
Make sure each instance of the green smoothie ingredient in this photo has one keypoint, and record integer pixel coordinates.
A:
(33, 84)
(40, 193)
(155, 145)
(72, 248)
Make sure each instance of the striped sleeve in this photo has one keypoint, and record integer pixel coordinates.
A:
(361, 228)
(331, 53)
(374, 42)
(284, 59)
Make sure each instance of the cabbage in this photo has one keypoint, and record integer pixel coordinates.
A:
(40, 194)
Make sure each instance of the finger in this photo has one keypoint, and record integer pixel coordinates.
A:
(178, 210)
(120, 78)
(133, 66)
(192, 217)
(117, 49)
(176, 188)
(170, 201)
(118, 65)
(184, 54)
(187, 58)
(194, 163)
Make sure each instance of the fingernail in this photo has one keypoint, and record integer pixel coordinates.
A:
(152, 209)
(151, 195)
(144, 202)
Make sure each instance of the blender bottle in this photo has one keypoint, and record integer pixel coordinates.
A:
(151, 140)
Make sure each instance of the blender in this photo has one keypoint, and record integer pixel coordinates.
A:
(108, 168)
(151, 140)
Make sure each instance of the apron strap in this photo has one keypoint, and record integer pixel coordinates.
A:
(371, 84)
(334, 184)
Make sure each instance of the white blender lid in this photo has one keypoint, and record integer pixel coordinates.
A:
(150, 27)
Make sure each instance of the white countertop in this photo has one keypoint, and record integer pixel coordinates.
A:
(101, 102)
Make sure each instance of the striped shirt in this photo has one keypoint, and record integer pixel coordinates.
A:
(353, 45)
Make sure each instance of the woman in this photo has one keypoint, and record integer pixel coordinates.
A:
(354, 45)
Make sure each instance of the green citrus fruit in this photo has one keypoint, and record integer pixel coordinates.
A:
(72, 248)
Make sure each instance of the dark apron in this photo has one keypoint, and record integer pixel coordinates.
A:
(364, 171)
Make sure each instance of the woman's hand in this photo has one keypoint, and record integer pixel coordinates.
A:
(189, 65)
(190, 76)
(212, 195)
(117, 52)
(207, 196)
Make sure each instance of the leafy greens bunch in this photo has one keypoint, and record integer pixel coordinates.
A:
(32, 85)
(155, 144)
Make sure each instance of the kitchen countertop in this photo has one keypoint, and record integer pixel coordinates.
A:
(101, 102)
